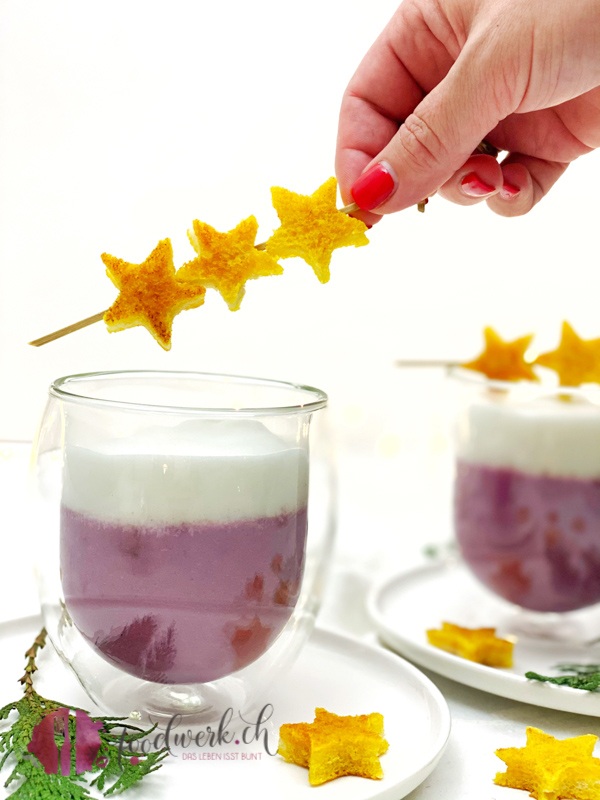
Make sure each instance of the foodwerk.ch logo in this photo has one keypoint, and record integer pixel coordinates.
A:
(64, 744)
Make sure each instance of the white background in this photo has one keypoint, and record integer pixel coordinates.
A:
(121, 122)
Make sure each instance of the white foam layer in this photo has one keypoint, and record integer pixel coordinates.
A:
(200, 470)
(547, 436)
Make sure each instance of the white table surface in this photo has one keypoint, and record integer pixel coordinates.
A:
(481, 722)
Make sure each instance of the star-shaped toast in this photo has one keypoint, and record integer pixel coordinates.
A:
(333, 746)
(501, 360)
(550, 768)
(575, 360)
(150, 293)
(312, 227)
(226, 261)
(475, 644)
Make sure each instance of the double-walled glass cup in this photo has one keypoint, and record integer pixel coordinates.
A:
(186, 525)
(527, 491)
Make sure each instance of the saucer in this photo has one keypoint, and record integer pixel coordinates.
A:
(405, 605)
(343, 675)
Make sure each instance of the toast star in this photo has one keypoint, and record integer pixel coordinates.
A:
(575, 360)
(546, 767)
(503, 361)
(312, 227)
(227, 260)
(150, 293)
(333, 746)
(475, 644)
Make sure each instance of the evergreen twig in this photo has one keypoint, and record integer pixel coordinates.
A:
(114, 772)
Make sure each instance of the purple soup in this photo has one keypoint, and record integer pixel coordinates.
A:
(184, 603)
(532, 539)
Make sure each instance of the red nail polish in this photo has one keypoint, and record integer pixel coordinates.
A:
(508, 190)
(473, 186)
(373, 187)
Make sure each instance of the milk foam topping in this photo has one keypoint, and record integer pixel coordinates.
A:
(198, 471)
(546, 436)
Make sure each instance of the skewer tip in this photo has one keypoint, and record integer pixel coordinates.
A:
(50, 337)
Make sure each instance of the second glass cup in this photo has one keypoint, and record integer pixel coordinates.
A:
(527, 491)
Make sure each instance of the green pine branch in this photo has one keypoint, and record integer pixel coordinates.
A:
(120, 772)
(38, 785)
(114, 772)
(584, 676)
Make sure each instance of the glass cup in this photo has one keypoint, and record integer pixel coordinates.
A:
(527, 491)
(186, 525)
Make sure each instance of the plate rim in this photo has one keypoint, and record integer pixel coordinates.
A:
(437, 745)
(477, 676)
(327, 638)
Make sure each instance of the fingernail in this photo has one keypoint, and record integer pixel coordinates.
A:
(473, 186)
(508, 191)
(374, 186)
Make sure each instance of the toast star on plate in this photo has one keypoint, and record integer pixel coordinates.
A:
(575, 360)
(333, 746)
(312, 227)
(227, 260)
(501, 360)
(550, 768)
(150, 293)
(475, 644)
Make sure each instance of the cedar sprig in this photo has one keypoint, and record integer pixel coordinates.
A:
(115, 772)
(583, 676)
(118, 771)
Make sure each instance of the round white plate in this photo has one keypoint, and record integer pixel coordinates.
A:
(404, 606)
(341, 674)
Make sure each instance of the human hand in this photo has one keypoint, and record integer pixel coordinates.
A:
(446, 74)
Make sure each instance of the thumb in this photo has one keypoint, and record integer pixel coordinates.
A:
(432, 143)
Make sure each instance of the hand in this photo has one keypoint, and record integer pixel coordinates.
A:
(446, 74)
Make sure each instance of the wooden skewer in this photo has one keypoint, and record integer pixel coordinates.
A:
(426, 362)
(83, 323)
(487, 149)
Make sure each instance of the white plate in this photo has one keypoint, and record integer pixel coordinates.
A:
(404, 606)
(341, 674)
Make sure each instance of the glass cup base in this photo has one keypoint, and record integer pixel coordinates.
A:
(121, 694)
(191, 704)
(569, 627)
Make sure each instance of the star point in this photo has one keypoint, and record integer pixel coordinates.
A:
(226, 261)
(312, 227)
(149, 293)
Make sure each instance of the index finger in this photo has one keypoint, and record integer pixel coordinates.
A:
(401, 67)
